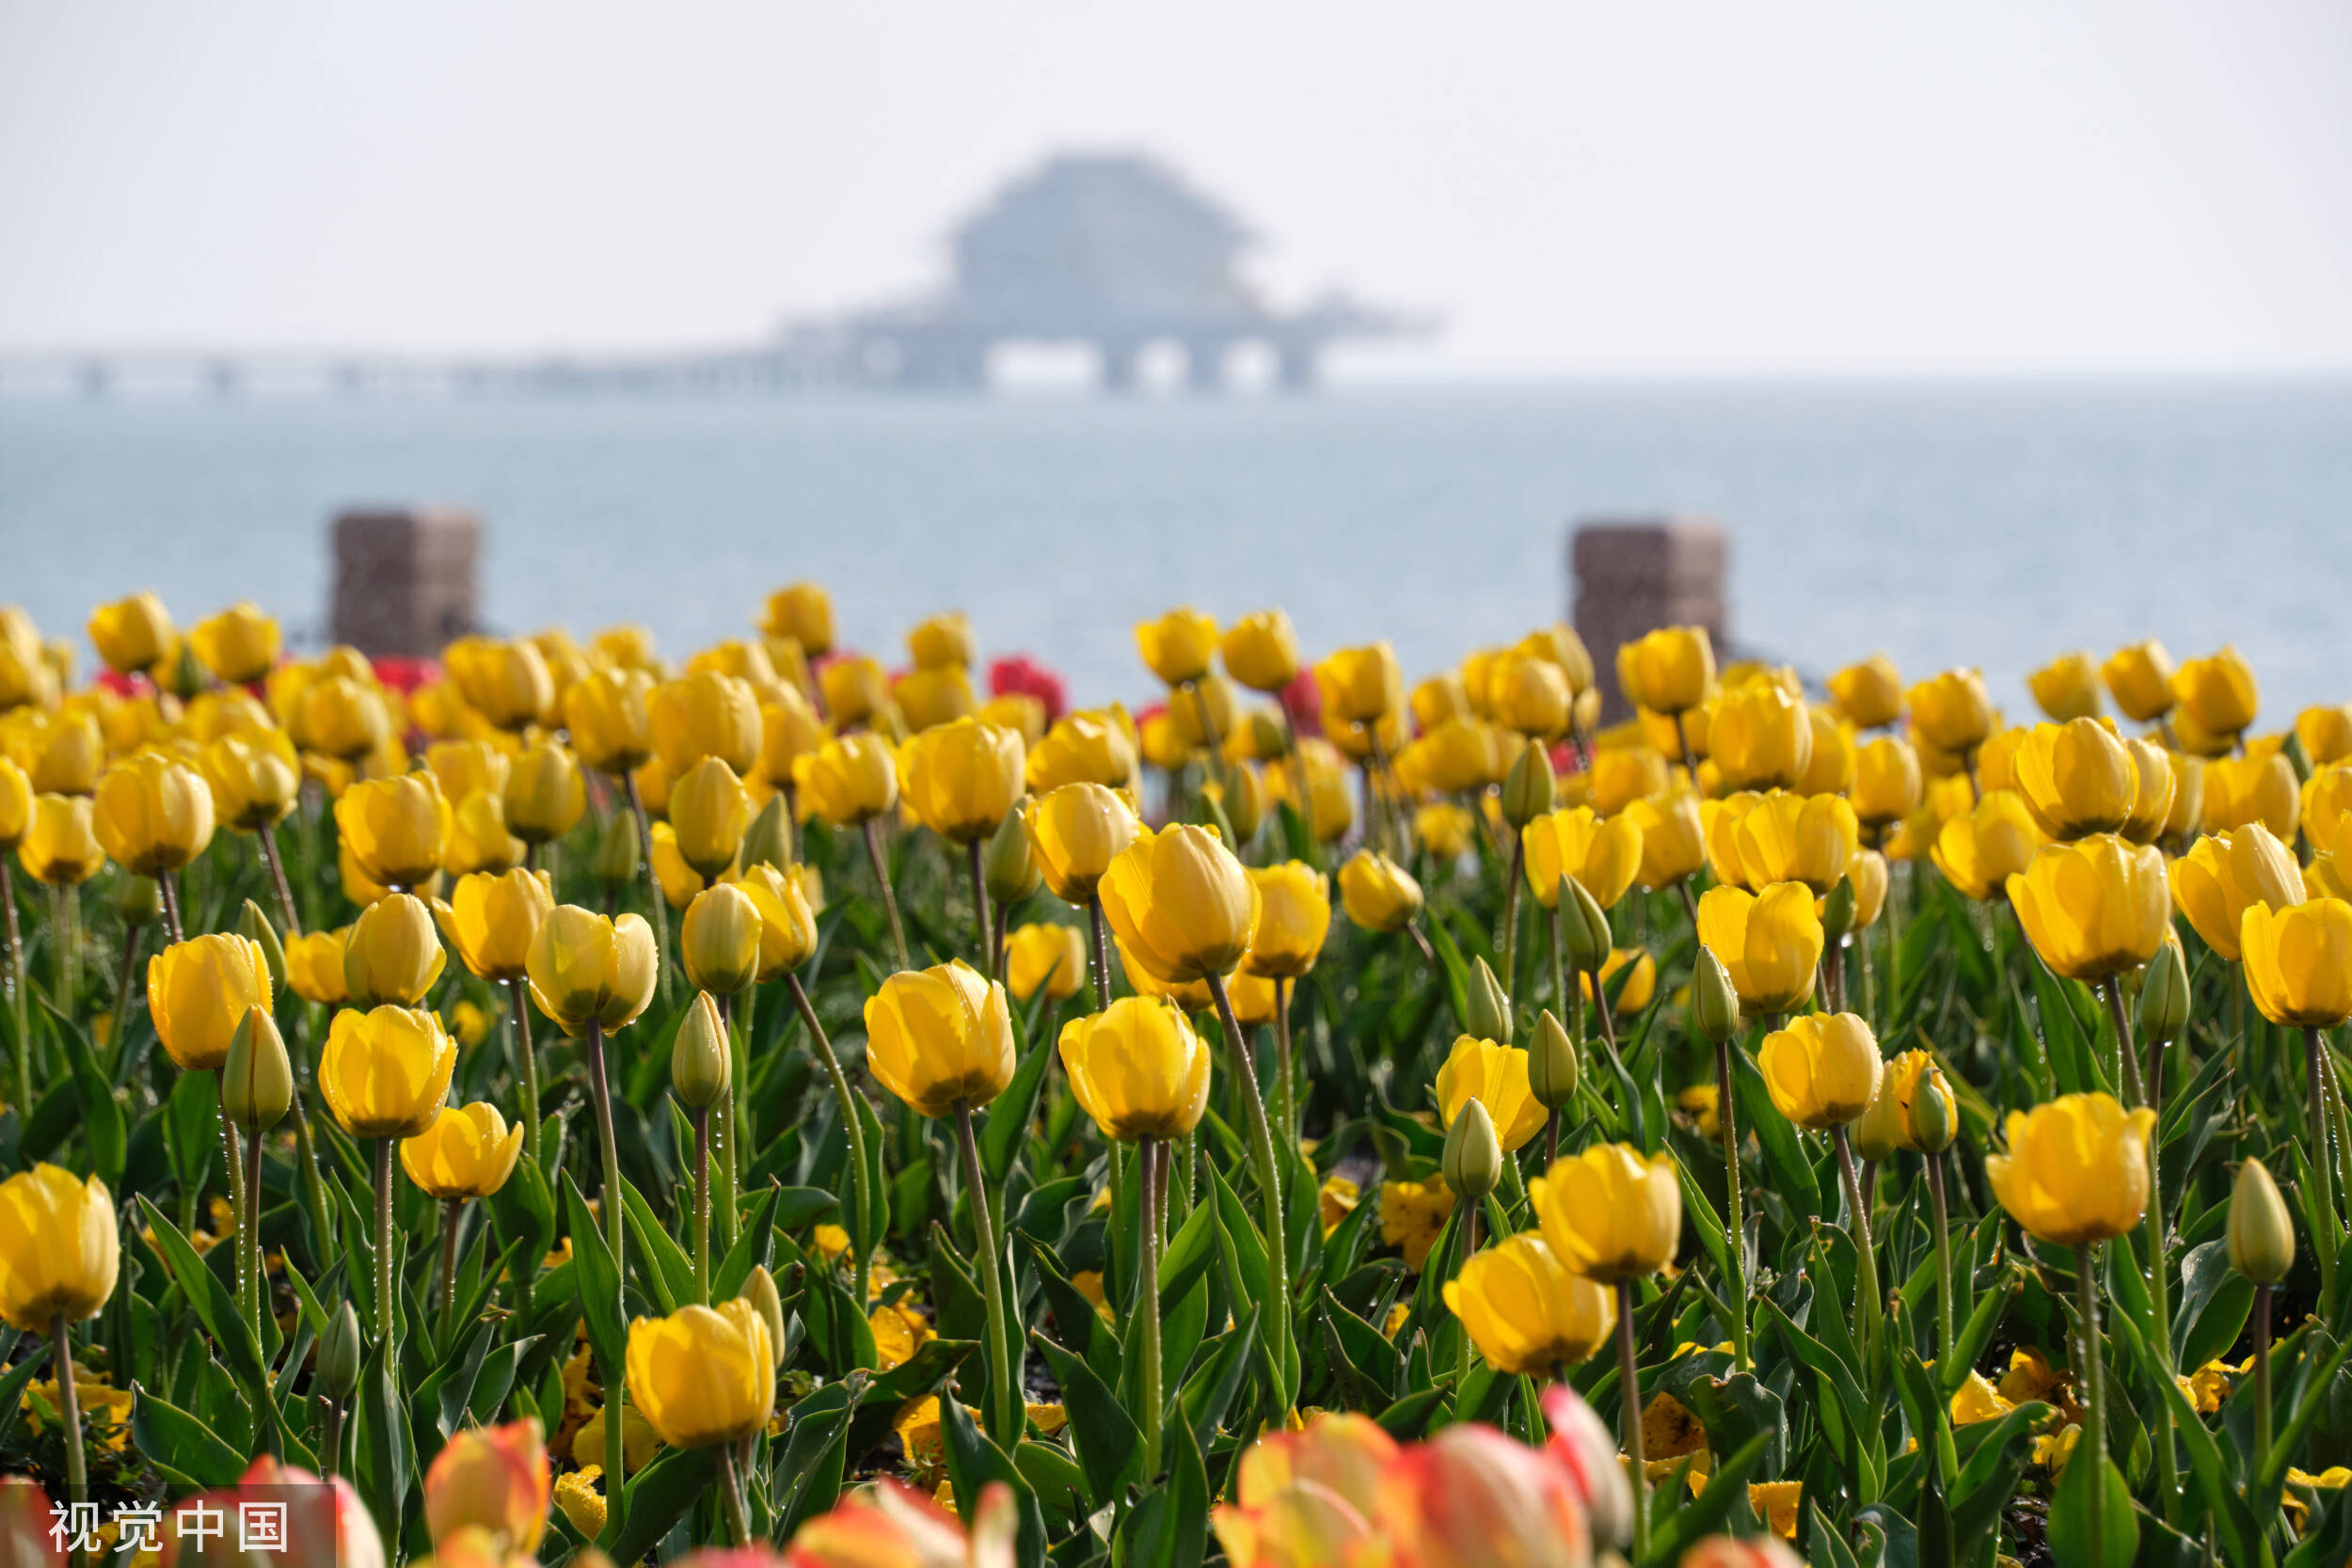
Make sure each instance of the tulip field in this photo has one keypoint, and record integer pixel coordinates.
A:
(581, 1104)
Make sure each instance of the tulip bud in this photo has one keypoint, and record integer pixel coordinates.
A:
(698, 1061)
(138, 901)
(1486, 1006)
(1243, 801)
(1553, 1066)
(255, 928)
(617, 851)
(1474, 1155)
(1583, 927)
(1877, 1133)
(1010, 868)
(1528, 791)
(760, 1291)
(2297, 757)
(1837, 910)
(337, 1365)
(1714, 1003)
(1931, 1125)
(257, 1080)
(1209, 811)
(2261, 1233)
(764, 840)
(183, 677)
(2164, 995)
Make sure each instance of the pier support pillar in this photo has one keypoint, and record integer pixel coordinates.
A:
(1633, 576)
(404, 579)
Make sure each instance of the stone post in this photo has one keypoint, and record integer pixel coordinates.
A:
(1632, 576)
(404, 579)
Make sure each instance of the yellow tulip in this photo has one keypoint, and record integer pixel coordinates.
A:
(1444, 830)
(719, 939)
(1052, 957)
(496, 1479)
(2216, 693)
(2139, 677)
(1077, 829)
(2067, 688)
(2153, 782)
(396, 828)
(2327, 797)
(491, 919)
(1321, 800)
(544, 797)
(677, 880)
(849, 779)
(62, 755)
(2325, 733)
(1361, 686)
(610, 720)
(854, 689)
(1980, 851)
(385, 1073)
(467, 1151)
(1769, 942)
(1526, 1311)
(1611, 1213)
(1378, 894)
(587, 970)
(2298, 961)
(1720, 822)
(1868, 695)
(1639, 987)
(789, 731)
(1674, 844)
(803, 612)
(2096, 908)
(1761, 738)
(2240, 790)
(238, 645)
(1181, 904)
(1457, 754)
(2077, 776)
(1669, 670)
(1830, 770)
(1137, 1069)
(255, 779)
(133, 634)
(314, 966)
(478, 839)
(1603, 855)
(2223, 874)
(154, 814)
(2187, 811)
(1952, 711)
(1531, 697)
(1261, 651)
(1785, 837)
(703, 1376)
(463, 766)
(506, 682)
(16, 804)
(1293, 916)
(788, 925)
(1191, 995)
(1083, 748)
(929, 698)
(391, 955)
(1496, 1077)
(1306, 1498)
(941, 640)
(703, 715)
(940, 1035)
(341, 718)
(198, 991)
(1178, 646)
(1822, 1069)
(709, 812)
(1558, 644)
(2076, 1170)
(962, 778)
(59, 1250)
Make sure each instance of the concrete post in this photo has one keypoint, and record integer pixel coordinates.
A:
(405, 579)
(1635, 576)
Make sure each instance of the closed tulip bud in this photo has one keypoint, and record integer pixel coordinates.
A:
(137, 901)
(1552, 1063)
(1473, 1157)
(585, 969)
(1528, 789)
(2163, 1010)
(710, 811)
(787, 920)
(1242, 798)
(1583, 926)
(617, 859)
(1485, 1006)
(255, 928)
(337, 1365)
(2077, 1169)
(703, 1376)
(393, 955)
(257, 1080)
(699, 1059)
(760, 1291)
(1714, 1002)
(546, 795)
(1838, 911)
(1611, 1213)
(2260, 1232)
(719, 939)
(1378, 894)
(1933, 1125)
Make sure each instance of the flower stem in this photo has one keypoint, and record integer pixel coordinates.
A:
(1630, 1412)
(1462, 1346)
(731, 1495)
(1098, 953)
(1285, 1085)
(70, 1413)
(850, 1120)
(1148, 1302)
(237, 1174)
(167, 888)
(2147, 1093)
(1727, 1122)
(1004, 1425)
(527, 1060)
(1510, 935)
(702, 1205)
(616, 1239)
(889, 895)
(2092, 1448)
(1942, 1266)
(452, 1209)
(2262, 1376)
(330, 1438)
(984, 957)
(1867, 1307)
(268, 835)
(20, 996)
(256, 1287)
(1270, 1183)
(385, 1315)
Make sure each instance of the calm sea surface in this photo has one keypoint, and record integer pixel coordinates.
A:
(1991, 524)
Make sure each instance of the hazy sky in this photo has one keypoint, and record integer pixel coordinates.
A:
(1579, 187)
